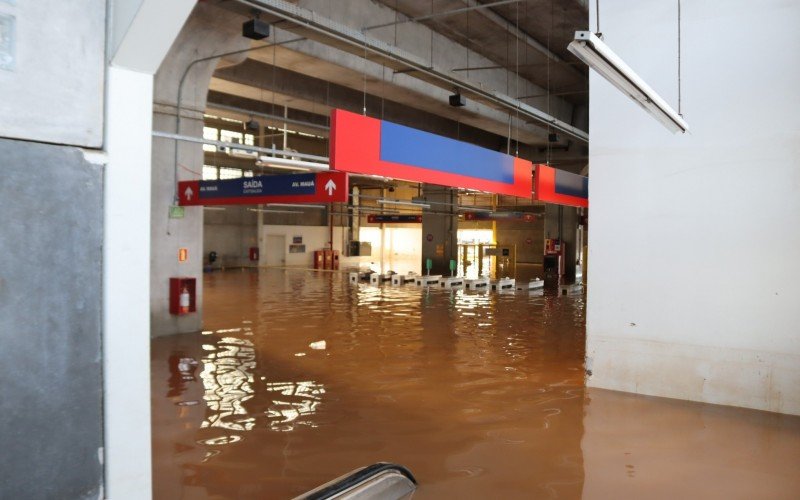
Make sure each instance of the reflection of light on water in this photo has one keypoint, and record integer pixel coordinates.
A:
(228, 377)
(294, 402)
(217, 441)
(228, 380)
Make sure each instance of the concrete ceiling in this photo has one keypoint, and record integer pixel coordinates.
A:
(490, 37)
(516, 36)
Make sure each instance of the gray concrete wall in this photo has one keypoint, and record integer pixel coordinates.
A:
(528, 237)
(562, 222)
(56, 62)
(443, 229)
(50, 322)
(230, 233)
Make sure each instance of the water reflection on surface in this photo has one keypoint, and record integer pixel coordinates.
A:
(228, 380)
(303, 377)
(294, 404)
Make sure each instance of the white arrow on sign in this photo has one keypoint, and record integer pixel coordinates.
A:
(330, 187)
(188, 193)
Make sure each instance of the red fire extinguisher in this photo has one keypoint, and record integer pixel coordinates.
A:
(184, 301)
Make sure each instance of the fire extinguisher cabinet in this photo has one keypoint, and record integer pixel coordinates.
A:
(176, 288)
(336, 260)
(254, 254)
(319, 259)
(327, 256)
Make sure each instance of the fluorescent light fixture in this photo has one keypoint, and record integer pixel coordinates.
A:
(475, 209)
(404, 203)
(590, 49)
(291, 164)
(213, 208)
(295, 205)
(275, 211)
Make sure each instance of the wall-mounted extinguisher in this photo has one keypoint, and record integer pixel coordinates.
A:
(184, 301)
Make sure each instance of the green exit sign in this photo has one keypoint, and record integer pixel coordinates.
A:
(176, 212)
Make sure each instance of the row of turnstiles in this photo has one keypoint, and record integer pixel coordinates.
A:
(437, 280)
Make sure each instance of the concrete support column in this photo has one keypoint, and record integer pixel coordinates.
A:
(139, 45)
(440, 229)
(209, 31)
(126, 284)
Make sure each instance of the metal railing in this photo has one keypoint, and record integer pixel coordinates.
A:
(381, 480)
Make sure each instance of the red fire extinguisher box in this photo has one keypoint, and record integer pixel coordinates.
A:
(327, 256)
(253, 254)
(318, 259)
(177, 287)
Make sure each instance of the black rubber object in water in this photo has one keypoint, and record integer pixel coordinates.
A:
(357, 477)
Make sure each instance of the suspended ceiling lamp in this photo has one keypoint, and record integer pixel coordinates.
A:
(291, 164)
(590, 49)
(384, 201)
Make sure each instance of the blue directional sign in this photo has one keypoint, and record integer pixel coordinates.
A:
(323, 187)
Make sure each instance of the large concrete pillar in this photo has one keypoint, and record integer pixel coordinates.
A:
(209, 31)
(439, 228)
(142, 32)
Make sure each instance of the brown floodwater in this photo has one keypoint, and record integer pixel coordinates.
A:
(300, 377)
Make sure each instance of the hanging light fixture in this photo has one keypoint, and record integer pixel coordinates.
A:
(295, 205)
(384, 201)
(291, 164)
(590, 49)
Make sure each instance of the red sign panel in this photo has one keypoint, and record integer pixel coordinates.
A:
(560, 187)
(364, 145)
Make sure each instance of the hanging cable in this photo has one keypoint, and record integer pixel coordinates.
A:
(508, 86)
(549, 29)
(597, 17)
(274, 60)
(516, 56)
(364, 109)
(466, 44)
(431, 36)
(679, 58)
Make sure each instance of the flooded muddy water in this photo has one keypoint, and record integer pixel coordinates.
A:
(300, 377)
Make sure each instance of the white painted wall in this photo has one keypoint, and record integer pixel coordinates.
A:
(126, 285)
(401, 254)
(348, 263)
(396, 247)
(695, 248)
(314, 238)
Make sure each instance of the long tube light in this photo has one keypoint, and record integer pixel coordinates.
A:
(403, 203)
(590, 49)
(295, 205)
(291, 164)
(264, 210)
